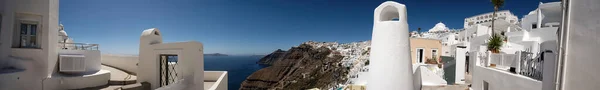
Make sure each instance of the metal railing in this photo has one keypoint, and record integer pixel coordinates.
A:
(78, 46)
(168, 70)
(531, 67)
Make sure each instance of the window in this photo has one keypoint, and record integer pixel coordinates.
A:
(167, 69)
(533, 26)
(486, 85)
(419, 55)
(434, 53)
(28, 36)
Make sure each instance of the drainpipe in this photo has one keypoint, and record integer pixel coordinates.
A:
(563, 44)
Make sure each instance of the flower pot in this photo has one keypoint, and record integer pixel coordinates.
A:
(495, 51)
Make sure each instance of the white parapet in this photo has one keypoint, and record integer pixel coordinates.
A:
(461, 53)
(189, 67)
(390, 67)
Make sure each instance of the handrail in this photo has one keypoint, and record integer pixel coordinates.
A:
(78, 46)
(532, 67)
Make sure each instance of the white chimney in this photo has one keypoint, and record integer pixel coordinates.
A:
(391, 67)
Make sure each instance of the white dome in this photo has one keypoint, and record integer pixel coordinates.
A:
(62, 33)
(438, 27)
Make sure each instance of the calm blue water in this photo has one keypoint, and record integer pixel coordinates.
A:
(238, 67)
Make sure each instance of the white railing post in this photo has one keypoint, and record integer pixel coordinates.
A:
(489, 59)
(518, 60)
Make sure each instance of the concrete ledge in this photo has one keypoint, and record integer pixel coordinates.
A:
(217, 80)
(99, 78)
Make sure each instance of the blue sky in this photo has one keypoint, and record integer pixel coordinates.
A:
(246, 27)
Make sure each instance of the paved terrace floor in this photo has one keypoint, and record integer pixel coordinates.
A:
(118, 80)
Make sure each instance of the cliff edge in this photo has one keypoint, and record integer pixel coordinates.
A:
(303, 67)
(271, 58)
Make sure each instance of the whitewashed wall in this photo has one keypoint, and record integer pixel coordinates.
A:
(43, 60)
(502, 80)
(127, 63)
(219, 77)
(583, 46)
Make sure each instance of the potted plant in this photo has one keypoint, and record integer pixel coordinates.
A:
(494, 44)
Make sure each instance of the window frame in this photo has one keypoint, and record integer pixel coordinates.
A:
(28, 35)
(420, 59)
(434, 54)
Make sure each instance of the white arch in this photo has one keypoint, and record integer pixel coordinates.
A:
(389, 10)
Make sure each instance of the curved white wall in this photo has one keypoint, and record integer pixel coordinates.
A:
(123, 62)
(390, 59)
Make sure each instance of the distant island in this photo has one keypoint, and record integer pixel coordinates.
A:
(216, 54)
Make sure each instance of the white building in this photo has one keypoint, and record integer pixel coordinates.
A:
(487, 17)
(37, 54)
(175, 66)
(527, 57)
(547, 15)
(579, 47)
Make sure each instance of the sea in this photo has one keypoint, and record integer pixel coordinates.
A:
(237, 67)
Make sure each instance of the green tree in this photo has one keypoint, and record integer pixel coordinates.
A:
(494, 44)
(497, 4)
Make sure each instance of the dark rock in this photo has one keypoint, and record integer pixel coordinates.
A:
(299, 68)
(270, 59)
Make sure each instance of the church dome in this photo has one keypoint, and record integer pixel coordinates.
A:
(438, 27)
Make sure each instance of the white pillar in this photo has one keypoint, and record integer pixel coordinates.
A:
(549, 70)
(391, 67)
(518, 62)
(460, 64)
(488, 59)
(148, 62)
(539, 18)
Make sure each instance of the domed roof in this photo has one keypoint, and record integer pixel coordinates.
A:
(61, 30)
(438, 27)
(62, 33)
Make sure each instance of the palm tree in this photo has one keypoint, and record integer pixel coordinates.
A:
(497, 4)
(495, 43)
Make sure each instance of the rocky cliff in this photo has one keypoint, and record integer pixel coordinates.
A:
(302, 67)
(271, 58)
